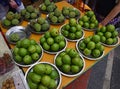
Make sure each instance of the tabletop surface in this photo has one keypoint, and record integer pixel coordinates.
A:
(50, 58)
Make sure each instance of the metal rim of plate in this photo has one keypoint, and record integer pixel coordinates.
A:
(71, 75)
(17, 29)
(22, 65)
(45, 12)
(88, 29)
(57, 51)
(89, 58)
(117, 43)
(35, 32)
(30, 69)
(67, 17)
(70, 39)
(47, 18)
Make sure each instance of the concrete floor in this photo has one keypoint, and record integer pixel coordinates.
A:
(97, 76)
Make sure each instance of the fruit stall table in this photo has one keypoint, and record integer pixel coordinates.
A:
(50, 57)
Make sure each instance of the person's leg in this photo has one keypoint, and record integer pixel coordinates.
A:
(3, 11)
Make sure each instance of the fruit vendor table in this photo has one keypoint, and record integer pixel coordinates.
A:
(50, 58)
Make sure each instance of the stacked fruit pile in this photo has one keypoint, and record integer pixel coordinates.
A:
(91, 47)
(43, 76)
(47, 6)
(88, 20)
(108, 34)
(41, 25)
(11, 19)
(27, 52)
(56, 17)
(69, 62)
(72, 30)
(52, 41)
(70, 12)
(30, 13)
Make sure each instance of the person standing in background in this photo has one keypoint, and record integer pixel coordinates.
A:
(107, 11)
(10, 5)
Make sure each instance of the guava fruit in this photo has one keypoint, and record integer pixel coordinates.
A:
(55, 47)
(23, 12)
(66, 59)
(75, 69)
(30, 8)
(32, 49)
(14, 37)
(66, 68)
(10, 15)
(41, 20)
(15, 22)
(33, 15)
(45, 27)
(45, 80)
(27, 59)
(39, 69)
(37, 27)
(54, 19)
(6, 22)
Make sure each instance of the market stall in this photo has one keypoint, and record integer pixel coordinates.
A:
(47, 57)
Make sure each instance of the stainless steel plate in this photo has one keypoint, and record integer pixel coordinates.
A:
(113, 45)
(39, 32)
(58, 80)
(22, 64)
(58, 23)
(50, 52)
(70, 74)
(20, 30)
(90, 57)
(45, 12)
(71, 39)
(76, 17)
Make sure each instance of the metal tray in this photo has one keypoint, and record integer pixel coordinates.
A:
(20, 30)
(70, 39)
(70, 74)
(58, 23)
(90, 57)
(58, 80)
(113, 45)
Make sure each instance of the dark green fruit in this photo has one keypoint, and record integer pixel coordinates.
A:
(72, 53)
(34, 77)
(14, 37)
(66, 59)
(75, 69)
(32, 48)
(53, 84)
(48, 69)
(39, 69)
(55, 47)
(46, 46)
(58, 61)
(54, 32)
(45, 80)
(96, 53)
(35, 56)
(66, 68)
(27, 59)
(54, 74)
(32, 85)
(50, 41)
